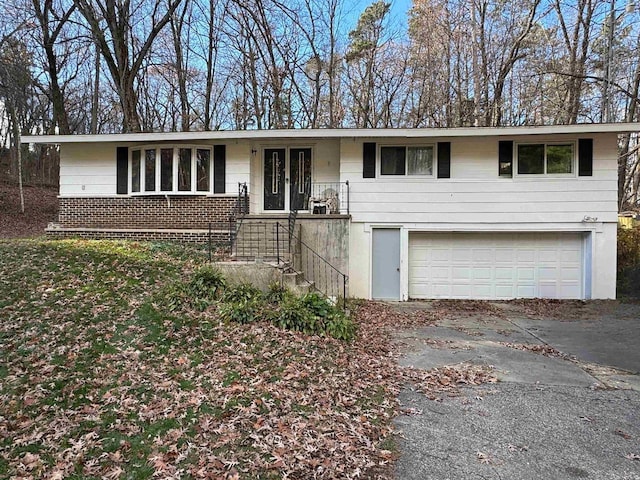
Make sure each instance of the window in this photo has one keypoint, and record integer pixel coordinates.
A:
(162, 169)
(550, 159)
(149, 170)
(135, 171)
(166, 169)
(413, 160)
(184, 170)
(203, 166)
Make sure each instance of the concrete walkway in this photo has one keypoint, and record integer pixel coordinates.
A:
(573, 413)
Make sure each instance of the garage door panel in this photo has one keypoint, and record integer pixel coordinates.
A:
(461, 291)
(480, 255)
(504, 291)
(495, 265)
(568, 290)
(482, 273)
(526, 273)
(548, 256)
(505, 273)
(505, 255)
(441, 255)
(548, 290)
(460, 273)
(573, 274)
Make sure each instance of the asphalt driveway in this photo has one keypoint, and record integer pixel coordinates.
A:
(567, 404)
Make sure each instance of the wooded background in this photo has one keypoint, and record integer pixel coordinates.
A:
(89, 66)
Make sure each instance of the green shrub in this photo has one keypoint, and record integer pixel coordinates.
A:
(629, 261)
(241, 292)
(276, 293)
(242, 311)
(206, 285)
(341, 327)
(314, 315)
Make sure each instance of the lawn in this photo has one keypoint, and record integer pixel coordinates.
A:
(96, 382)
(98, 379)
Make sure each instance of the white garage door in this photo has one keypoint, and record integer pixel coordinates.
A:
(495, 265)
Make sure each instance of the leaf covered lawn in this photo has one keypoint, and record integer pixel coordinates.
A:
(96, 381)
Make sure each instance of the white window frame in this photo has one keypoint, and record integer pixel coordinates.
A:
(175, 166)
(406, 146)
(574, 162)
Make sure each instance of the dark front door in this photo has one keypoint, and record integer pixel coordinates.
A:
(300, 185)
(274, 184)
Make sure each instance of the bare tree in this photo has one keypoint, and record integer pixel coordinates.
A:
(52, 19)
(124, 47)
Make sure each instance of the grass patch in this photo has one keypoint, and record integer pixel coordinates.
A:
(117, 362)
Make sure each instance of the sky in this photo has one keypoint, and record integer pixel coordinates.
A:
(398, 15)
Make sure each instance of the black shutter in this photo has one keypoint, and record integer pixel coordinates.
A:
(505, 158)
(219, 168)
(444, 159)
(368, 160)
(122, 170)
(585, 157)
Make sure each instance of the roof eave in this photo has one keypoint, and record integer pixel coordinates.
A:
(337, 133)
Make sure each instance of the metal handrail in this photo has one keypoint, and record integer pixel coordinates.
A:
(316, 258)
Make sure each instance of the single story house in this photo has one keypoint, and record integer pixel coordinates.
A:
(469, 213)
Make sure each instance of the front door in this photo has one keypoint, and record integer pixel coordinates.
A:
(300, 170)
(282, 192)
(385, 278)
(274, 179)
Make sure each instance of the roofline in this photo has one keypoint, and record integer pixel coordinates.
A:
(583, 128)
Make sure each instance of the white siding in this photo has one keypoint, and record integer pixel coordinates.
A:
(475, 192)
(237, 166)
(87, 169)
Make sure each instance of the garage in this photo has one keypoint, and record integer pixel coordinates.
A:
(496, 265)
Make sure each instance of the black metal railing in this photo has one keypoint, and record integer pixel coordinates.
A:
(221, 236)
(315, 269)
(242, 204)
(218, 240)
(329, 197)
(260, 240)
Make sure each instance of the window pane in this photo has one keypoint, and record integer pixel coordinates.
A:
(420, 160)
(166, 169)
(530, 159)
(135, 171)
(184, 170)
(202, 170)
(392, 160)
(559, 158)
(149, 170)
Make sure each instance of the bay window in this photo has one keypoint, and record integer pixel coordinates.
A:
(168, 169)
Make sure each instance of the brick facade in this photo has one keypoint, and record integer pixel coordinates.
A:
(218, 237)
(179, 212)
